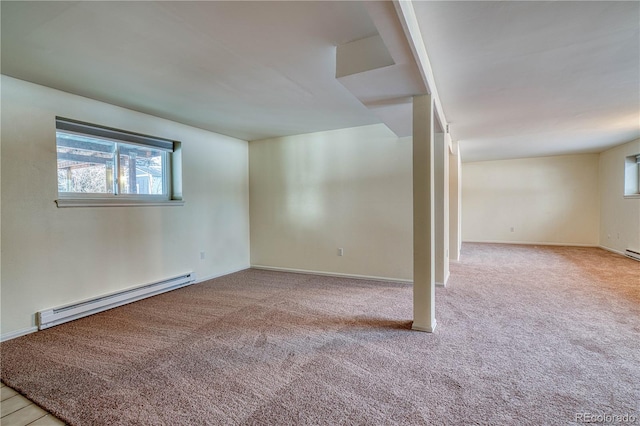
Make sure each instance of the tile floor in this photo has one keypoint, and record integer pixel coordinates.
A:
(16, 410)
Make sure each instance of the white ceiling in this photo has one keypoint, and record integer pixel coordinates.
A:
(515, 79)
(251, 70)
(531, 78)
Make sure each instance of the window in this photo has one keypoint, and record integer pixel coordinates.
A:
(632, 176)
(101, 166)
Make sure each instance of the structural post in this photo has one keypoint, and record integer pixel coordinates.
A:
(423, 215)
(455, 202)
(441, 179)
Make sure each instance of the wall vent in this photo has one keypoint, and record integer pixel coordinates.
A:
(55, 316)
(633, 254)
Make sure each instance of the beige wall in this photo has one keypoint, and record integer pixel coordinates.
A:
(312, 194)
(52, 256)
(619, 216)
(546, 200)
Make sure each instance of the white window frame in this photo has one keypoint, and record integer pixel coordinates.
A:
(632, 176)
(172, 180)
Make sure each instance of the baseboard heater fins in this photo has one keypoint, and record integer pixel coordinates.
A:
(56, 316)
(633, 254)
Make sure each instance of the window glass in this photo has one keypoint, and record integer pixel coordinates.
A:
(85, 165)
(141, 170)
(632, 176)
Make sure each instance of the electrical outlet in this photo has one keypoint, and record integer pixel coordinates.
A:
(201, 255)
(340, 252)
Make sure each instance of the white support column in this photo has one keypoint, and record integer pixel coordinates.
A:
(441, 170)
(455, 202)
(423, 215)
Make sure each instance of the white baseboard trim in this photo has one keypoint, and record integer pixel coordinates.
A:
(613, 250)
(425, 329)
(446, 280)
(18, 333)
(531, 243)
(211, 277)
(330, 274)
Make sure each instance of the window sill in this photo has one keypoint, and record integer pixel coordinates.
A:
(112, 202)
(632, 196)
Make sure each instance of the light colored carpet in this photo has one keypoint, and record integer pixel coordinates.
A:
(526, 335)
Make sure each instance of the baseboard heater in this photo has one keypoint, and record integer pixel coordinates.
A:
(55, 316)
(632, 254)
